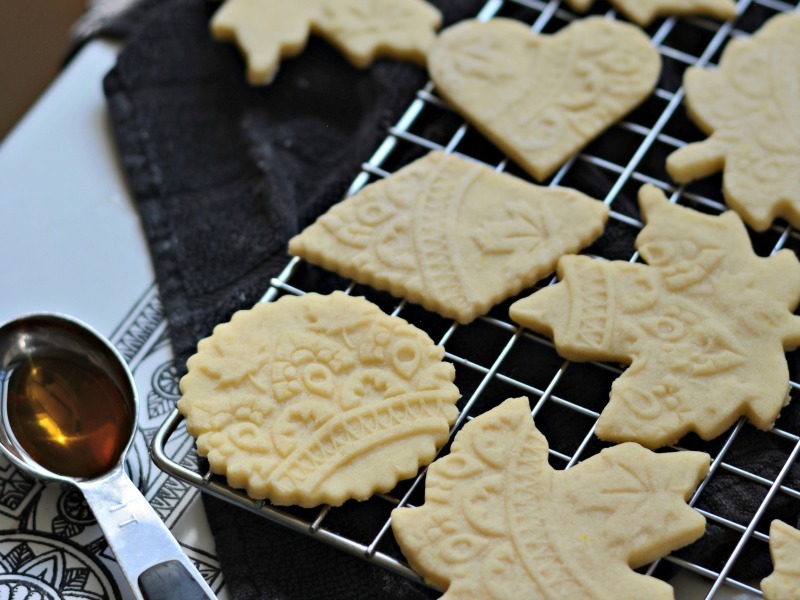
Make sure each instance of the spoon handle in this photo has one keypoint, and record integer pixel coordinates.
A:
(150, 557)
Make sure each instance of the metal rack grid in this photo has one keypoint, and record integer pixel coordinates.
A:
(512, 361)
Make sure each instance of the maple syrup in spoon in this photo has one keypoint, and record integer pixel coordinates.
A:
(69, 409)
(68, 415)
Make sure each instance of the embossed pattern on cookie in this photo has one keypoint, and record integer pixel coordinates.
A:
(541, 98)
(644, 11)
(498, 522)
(748, 107)
(704, 325)
(784, 546)
(317, 399)
(362, 30)
(451, 235)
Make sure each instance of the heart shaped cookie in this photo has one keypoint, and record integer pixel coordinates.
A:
(541, 98)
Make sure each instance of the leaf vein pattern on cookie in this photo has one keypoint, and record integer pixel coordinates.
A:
(643, 12)
(362, 30)
(451, 235)
(498, 522)
(541, 98)
(784, 546)
(748, 109)
(704, 325)
(331, 399)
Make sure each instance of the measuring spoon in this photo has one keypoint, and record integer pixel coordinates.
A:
(69, 408)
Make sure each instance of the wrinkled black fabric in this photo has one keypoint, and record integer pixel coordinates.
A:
(223, 174)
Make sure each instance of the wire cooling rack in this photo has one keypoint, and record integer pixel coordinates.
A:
(509, 361)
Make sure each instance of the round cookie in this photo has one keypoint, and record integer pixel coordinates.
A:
(317, 399)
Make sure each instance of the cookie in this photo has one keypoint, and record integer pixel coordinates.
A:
(317, 399)
(784, 546)
(644, 12)
(748, 108)
(362, 30)
(704, 325)
(451, 235)
(498, 522)
(541, 98)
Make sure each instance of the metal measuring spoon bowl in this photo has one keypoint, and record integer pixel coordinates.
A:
(69, 408)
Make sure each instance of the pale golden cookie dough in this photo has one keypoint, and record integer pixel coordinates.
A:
(749, 108)
(317, 399)
(644, 11)
(498, 522)
(704, 325)
(451, 235)
(541, 98)
(267, 31)
(784, 546)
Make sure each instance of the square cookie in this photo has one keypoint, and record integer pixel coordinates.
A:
(451, 235)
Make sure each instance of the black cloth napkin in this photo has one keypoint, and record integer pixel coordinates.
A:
(223, 174)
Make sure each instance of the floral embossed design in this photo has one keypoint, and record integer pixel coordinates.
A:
(541, 98)
(498, 522)
(362, 30)
(644, 11)
(704, 325)
(333, 400)
(748, 108)
(307, 364)
(784, 546)
(164, 390)
(451, 235)
(38, 566)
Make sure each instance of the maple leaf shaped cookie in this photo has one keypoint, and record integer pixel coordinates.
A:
(704, 325)
(784, 546)
(644, 11)
(541, 98)
(498, 522)
(267, 31)
(748, 107)
(451, 235)
(317, 399)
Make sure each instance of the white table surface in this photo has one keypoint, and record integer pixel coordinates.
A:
(72, 243)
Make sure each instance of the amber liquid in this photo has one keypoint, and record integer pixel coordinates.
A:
(68, 415)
